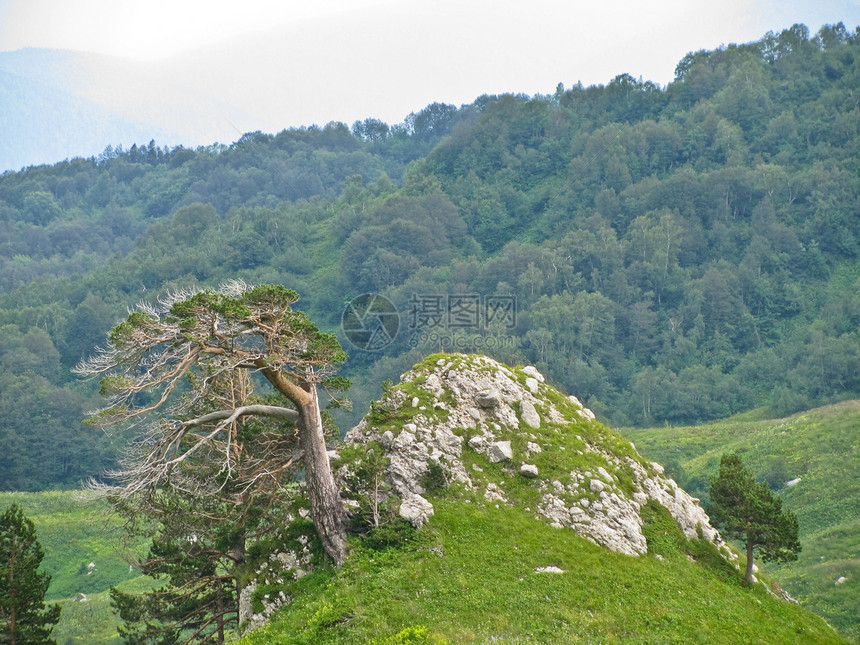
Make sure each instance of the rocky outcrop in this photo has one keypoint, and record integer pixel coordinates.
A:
(256, 600)
(607, 514)
(460, 411)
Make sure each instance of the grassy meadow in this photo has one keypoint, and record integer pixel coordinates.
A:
(471, 576)
(75, 533)
(812, 460)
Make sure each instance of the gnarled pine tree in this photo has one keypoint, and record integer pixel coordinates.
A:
(204, 517)
(196, 338)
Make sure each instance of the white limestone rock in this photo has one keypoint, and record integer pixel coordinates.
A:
(533, 448)
(488, 399)
(530, 415)
(500, 451)
(532, 371)
(493, 493)
(529, 470)
(478, 443)
(416, 510)
(596, 485)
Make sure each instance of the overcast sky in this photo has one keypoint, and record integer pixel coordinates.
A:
(151, 29)
(296, 62)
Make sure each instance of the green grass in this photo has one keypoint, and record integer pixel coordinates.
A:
(73, 534)
(469, 577)
(822, 448)
(93, 622)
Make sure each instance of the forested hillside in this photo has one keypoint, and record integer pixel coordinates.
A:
(674, 254)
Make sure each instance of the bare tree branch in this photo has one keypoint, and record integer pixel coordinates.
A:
(257, 410)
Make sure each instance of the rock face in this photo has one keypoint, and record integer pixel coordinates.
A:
(500, 451)
(487, 424)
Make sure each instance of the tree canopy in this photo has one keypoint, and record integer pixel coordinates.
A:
(702, 237)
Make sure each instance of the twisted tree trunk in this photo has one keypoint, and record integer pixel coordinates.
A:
(327, 511)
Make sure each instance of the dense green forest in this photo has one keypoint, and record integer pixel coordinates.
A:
(674, 254)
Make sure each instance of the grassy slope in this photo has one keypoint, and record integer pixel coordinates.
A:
(469, 577)
(822, 448)
(74, 533)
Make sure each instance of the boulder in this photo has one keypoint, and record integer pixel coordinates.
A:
(488, 399)
(532, 371)
(530, 416)
(416, 510)
(500, 451)
(529, 470)
(478, 443)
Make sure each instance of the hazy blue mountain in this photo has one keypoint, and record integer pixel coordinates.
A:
(56, 104)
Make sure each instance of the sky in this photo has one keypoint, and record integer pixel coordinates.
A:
(149, 29)
(286, 63)
(157, 29)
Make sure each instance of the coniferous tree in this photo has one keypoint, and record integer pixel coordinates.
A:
(747, 510)
(203, 520)
(195, 560)
(202, 338)
(24, 618)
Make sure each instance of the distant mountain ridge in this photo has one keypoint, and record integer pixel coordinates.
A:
(60, 104)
